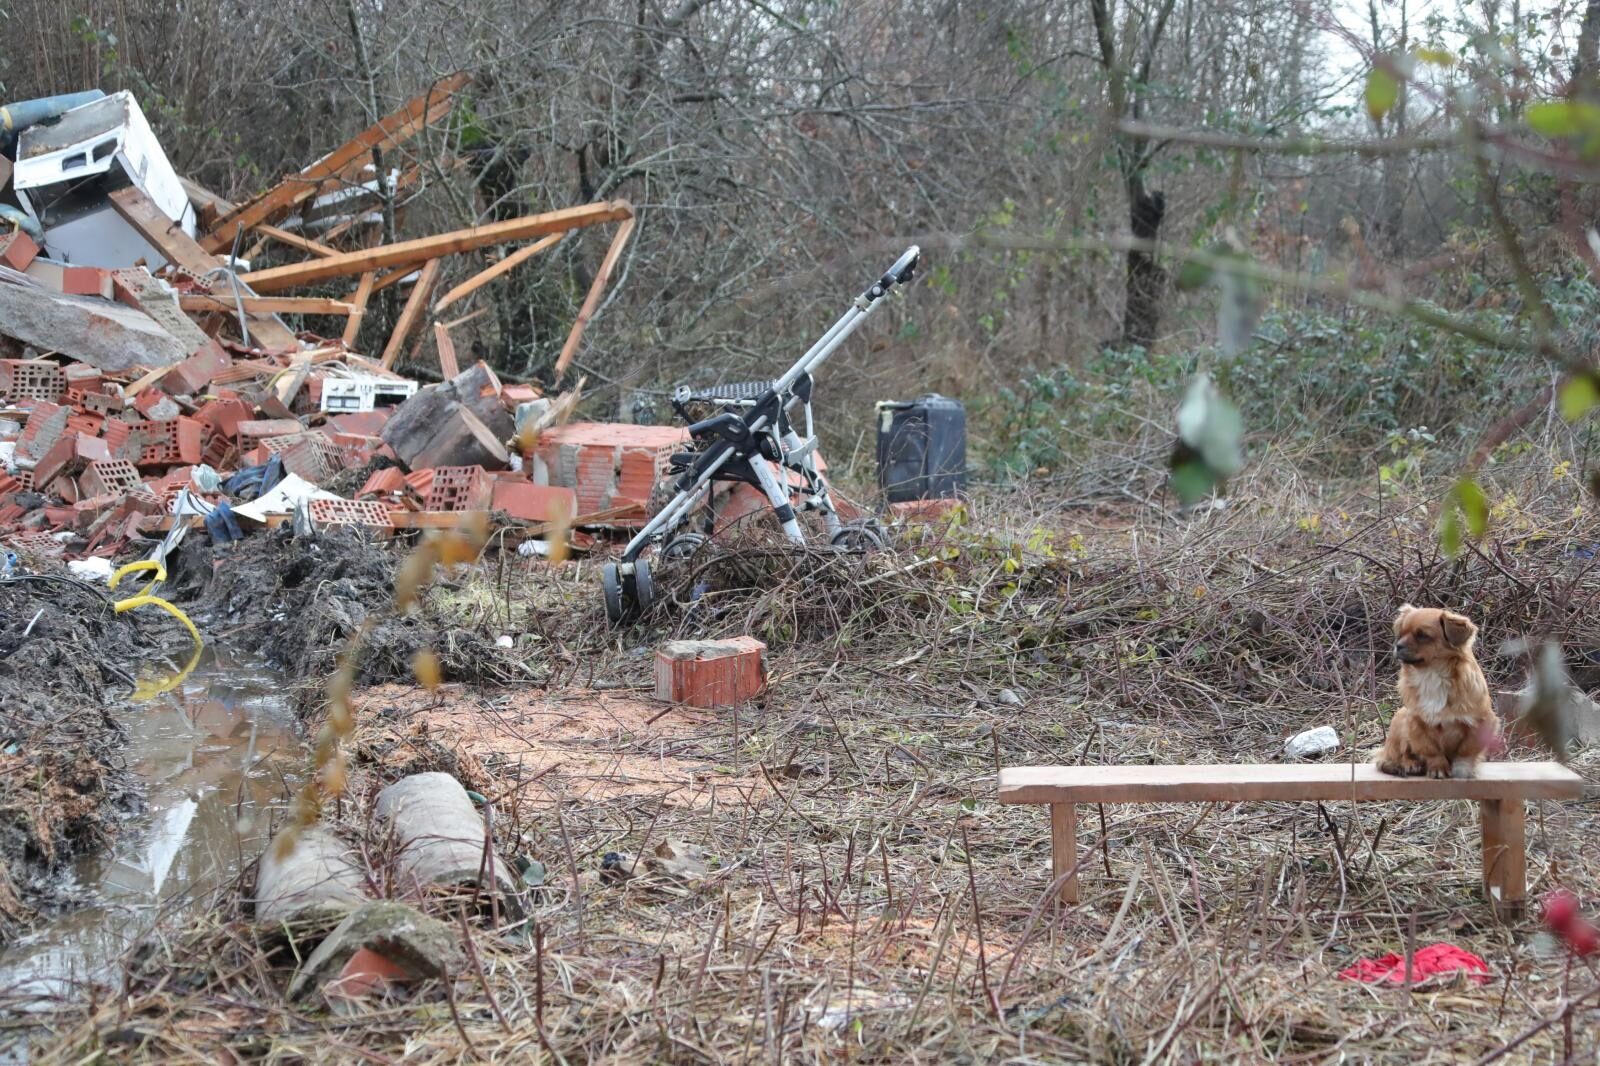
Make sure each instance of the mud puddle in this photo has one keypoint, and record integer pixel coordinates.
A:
(216, 756)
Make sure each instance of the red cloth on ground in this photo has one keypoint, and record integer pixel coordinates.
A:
(1428, 962)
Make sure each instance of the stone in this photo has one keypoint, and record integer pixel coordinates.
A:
(98, 332)
(1312, 743)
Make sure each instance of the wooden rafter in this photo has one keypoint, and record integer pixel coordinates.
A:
(592, 300)
(506, 265)
(140, 212)
(363, 293)
(276, 279)
(393, 129)
(412, 313)
(270, 305)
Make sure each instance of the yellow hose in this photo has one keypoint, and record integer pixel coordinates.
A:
(144, 688)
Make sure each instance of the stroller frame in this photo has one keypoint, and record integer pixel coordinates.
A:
(754, 430)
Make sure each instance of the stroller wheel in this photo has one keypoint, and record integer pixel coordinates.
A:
(644, 588)
(683, 545)
(611, 586)
(862, 536)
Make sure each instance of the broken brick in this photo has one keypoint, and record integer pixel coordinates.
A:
(710, 673)
(166, 443)
(106, 477)
(386, 482)
(190, 377)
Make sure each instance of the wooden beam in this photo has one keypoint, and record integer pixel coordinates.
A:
(506, 265)
(420, 291)
(140, 212)
(1064, 849)
(352, 328)
(207, 205)
(391, 130)
(276, 279)
(272, 305)
(592, 300)
(294, 240)
(1233, 783)
(447, 351)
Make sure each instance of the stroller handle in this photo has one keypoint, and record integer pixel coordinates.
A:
(904, 269)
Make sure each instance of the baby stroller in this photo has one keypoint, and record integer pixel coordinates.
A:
(751, 439)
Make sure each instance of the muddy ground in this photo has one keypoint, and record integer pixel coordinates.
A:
(68, 667)
(300, 600)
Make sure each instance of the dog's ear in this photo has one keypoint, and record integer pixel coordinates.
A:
(1400, 619)
(1458, 629)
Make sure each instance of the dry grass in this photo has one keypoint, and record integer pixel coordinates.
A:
(869, 900)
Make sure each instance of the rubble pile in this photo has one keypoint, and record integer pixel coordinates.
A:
(148, 378)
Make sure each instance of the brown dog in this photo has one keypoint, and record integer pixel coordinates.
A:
(1446, 719)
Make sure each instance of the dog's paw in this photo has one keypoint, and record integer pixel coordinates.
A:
(1393, 769)
(1439, 773)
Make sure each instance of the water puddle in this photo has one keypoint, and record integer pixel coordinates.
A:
(217, 754)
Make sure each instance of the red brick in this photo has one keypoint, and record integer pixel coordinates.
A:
(252, 431)
(420, 481)
(167, 443)
(925, 511)
(459, 488)
(190, 377)
(86, 281)
(386, 482)
(364, 423)
(527, 502)
(32, 379)
(156, 406)
(512, 395)
(710, 673)
(106, 477)
(370, 514)
(223, 416)
(611, 466)
(17, 250)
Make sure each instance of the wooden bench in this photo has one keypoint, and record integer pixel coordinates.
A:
(1500, 789)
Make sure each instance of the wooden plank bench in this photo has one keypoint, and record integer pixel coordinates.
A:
(1500, 789)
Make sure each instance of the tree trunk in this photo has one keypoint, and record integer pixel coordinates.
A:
(1585, 75)
(1147, 279)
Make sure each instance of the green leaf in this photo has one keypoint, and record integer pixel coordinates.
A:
(1450, 532)
(1578, 396)
(1437, 56)
(1383, 92)
(1553, 118)
(1193, 275)
(1474, 506)
(1191, 481)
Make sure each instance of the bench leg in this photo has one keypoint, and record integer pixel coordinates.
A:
(1505, 857)
(1064, 848)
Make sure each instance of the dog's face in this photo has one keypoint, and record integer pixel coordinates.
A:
(1426, 636)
